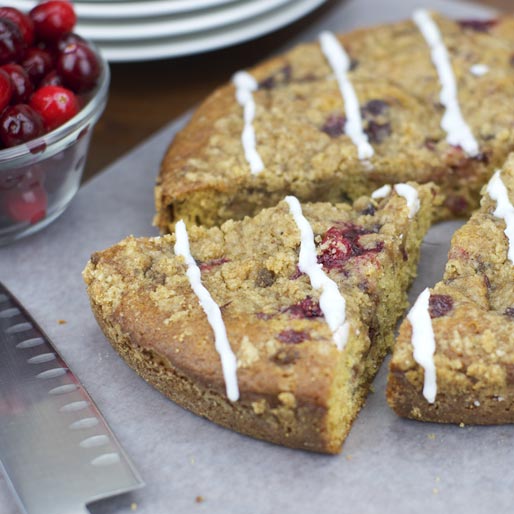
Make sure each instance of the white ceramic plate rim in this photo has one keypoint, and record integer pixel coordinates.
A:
(172, 26)
(101, 9)
(240, 32)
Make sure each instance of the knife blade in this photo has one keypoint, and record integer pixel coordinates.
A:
(56, 450)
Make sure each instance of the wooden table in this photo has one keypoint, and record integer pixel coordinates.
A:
(145, 96)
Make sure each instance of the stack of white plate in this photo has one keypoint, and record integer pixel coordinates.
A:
(136, 30)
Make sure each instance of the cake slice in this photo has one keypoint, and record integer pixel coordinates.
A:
(342, 116)
(453, 361)
(273, 326)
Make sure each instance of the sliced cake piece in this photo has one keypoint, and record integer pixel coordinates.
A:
(273, 326)
(453, 361)
(344, 115)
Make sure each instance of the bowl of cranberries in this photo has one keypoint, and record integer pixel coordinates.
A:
(53, 89)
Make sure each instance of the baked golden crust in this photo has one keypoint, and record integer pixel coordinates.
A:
(296, 388)
(205, 178)
(474, 332)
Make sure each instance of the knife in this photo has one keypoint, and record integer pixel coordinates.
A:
(56, 450)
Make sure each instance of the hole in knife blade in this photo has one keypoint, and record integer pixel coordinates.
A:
(74, 406)
(30, 343)
(9, 313)
(94, 441)
(52, 373)
(44, 357)
(106, 459)
(19, 327)
(84, 423)
(66, 388)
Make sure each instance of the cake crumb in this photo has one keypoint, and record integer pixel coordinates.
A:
(461, 425)
(431, 436)
(259, 407)
(199, 499)
(371, 388)
(192, 460)
(133, 506)
(349, 457)
(62, 321)
(435, 490)
(438, 479)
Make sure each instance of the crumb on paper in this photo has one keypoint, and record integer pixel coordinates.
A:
(199, 499)
(349, 457)
(192, 460)
(461, 425)
(62, 321)
(431, 436)
(438, 479)
(435, 490)
(133, 506)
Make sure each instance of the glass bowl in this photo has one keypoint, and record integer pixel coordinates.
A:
(38, 179)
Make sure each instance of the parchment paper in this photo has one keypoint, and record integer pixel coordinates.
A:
(387, 465)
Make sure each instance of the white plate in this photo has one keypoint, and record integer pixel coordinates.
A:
(176, 25)
(190, 44)
(101, 9)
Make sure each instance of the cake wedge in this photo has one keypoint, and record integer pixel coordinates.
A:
(273, 326)
(453, 361)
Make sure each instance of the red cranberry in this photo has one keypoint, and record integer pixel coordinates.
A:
(439, 305)
(208, 265)
(375, 107)
(56, 105)
(292, 336)
(478, 25)
(342, 243)
(78, 66)
(12, 45)
(19, 124)
(69, 39)
(26, 205)
(334, 125)
(52, 79)
(53, 19)
(23, 22)
(377, 132)
(37, 63)
(22, 87)
(307, 308)
(6, 89)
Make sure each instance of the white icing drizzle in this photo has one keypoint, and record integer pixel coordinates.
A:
(453, 123)
(408, 192)
(479, 69)
(245, 85)
(211, 309)
(411, 197)
(381, 192)
(331, 302)
(504, 209)
(340, 64)
(423, 342)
